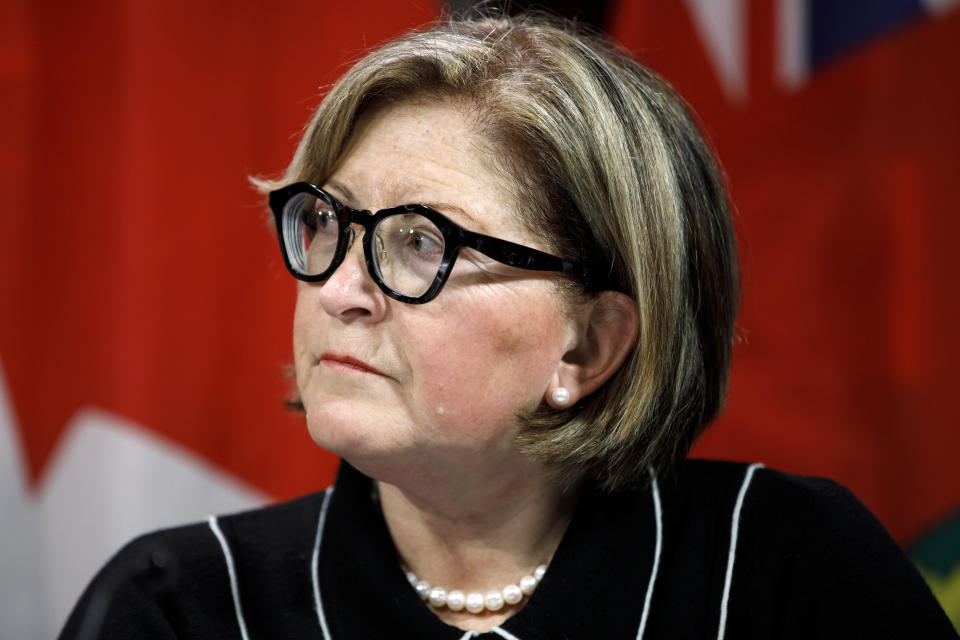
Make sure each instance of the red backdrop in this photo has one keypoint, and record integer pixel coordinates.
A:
(137, 273)
(846, 196)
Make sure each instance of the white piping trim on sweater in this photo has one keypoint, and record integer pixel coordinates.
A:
(731, 556)
(658, 513)
(468, 635)
(503, 633)
(234, 590)
(315, 564)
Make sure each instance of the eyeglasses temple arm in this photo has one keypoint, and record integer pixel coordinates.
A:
(517, 255)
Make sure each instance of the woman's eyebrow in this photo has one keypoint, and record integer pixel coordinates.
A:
(444, 207)
(343, 190)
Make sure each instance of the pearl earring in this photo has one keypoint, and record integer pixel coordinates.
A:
(561, 396)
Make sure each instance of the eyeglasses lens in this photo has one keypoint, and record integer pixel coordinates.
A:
(408, 247)
(310, 233)
(409, 253)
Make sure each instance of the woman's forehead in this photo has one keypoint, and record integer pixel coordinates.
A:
(346, 196)
(426, 153)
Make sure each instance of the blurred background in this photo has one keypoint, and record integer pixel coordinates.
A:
(145, 315)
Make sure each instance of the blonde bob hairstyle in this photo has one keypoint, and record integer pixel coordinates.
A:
(612, 171)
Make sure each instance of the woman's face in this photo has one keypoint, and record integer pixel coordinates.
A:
(440, 384)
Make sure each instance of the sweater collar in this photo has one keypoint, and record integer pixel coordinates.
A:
(595, 586)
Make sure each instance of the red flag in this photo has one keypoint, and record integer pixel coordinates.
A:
(839, 137)
(145, 305)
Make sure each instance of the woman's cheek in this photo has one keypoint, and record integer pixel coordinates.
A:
(452, 386)
(485, 366)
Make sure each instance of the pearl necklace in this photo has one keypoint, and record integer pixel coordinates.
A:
(476, 602)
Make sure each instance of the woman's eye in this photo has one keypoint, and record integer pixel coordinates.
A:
(326, 220)
(409, 240)
(423, 242)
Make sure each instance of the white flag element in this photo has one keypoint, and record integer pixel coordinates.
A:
(793, 55)
(939, 6)
(793, 37)
(722, 25)
(109, 481)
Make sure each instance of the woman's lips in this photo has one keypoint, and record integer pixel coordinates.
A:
(348, 362)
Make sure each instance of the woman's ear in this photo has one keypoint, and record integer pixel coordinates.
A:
(606, 333)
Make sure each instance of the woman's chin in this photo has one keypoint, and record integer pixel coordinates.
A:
(344, 442)
(371, 453)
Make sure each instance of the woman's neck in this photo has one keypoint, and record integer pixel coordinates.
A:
(477, 536)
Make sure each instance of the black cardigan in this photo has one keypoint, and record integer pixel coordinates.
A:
(713, 550)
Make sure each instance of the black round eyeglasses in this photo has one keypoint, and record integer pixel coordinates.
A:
(409, 250)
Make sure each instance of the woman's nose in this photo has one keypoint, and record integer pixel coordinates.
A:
(350, 293)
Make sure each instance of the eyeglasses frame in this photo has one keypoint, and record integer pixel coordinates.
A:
(455, 238)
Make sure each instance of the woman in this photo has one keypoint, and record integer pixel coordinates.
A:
(516, 301)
